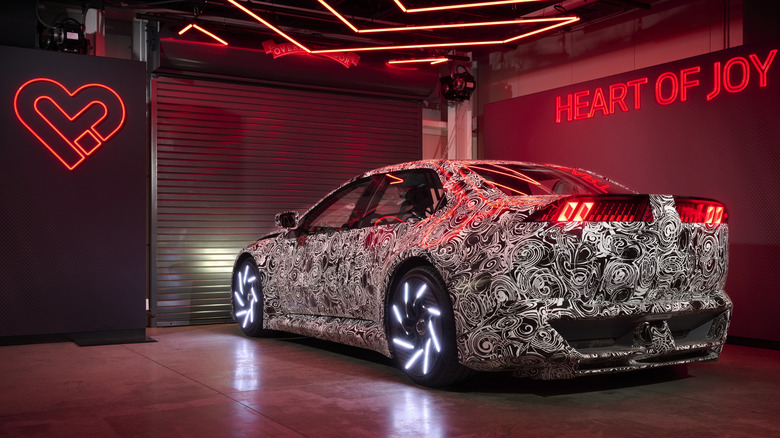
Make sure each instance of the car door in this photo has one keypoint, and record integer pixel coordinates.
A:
(343, 247)
(317, 247)
(400, 202)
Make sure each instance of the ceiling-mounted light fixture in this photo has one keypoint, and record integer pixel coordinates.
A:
(458, 86)
(204, 31)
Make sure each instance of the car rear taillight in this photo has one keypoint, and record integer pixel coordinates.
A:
(605, 208)
(703, 211)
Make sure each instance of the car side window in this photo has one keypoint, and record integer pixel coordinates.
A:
(404, 196)
(340, 211)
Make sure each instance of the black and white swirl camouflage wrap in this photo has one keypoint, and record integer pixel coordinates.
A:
(544, 299)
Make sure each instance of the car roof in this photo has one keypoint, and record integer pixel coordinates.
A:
(442, 164)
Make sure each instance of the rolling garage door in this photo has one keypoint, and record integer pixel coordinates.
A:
(226, 157)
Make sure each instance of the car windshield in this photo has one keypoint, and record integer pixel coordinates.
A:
(523, 180)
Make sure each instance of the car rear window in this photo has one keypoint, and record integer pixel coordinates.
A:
(524, 180)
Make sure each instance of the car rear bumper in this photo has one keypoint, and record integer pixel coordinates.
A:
(573, 338)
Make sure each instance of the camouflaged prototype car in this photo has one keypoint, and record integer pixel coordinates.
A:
(453, 266)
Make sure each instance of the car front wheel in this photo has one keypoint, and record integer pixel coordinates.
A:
(422, 330)
(247, 298)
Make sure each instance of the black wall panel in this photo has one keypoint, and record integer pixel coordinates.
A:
(18, 23)
(72, 231)
(229, 156)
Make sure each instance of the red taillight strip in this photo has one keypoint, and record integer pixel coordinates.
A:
(701, 211)
(596, 209)
(575, 211)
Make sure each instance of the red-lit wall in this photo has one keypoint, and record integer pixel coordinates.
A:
(664, 129)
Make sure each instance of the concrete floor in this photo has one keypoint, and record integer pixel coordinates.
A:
(211, 381)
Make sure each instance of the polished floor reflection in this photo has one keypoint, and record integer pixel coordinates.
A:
(211, 381)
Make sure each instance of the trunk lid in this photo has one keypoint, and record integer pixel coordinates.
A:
(632, 248)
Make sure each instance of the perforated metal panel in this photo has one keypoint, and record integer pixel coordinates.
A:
(228, 156)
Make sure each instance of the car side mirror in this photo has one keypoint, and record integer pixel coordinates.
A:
(287, 219)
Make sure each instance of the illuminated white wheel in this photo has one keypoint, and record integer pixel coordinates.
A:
(422, 330)
(247, 298)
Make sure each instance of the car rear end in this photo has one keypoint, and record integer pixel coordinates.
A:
(645, 278)
(597, 278)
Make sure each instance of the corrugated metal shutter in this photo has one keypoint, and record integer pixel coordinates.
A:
(228, 156)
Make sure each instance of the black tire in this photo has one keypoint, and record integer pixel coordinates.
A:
(421, 330)
(247, 298)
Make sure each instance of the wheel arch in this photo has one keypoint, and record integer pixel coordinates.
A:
(240, 259)
(398, 271)
(447, 369)
(395, 275)
(244, 255)
(236, 263)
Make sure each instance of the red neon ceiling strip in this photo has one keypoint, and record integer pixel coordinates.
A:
(461, 25)
(195, 26)
(569, 20)
(401, 5)
(440, 26)
(432, 61)
(270, 26)
(557, 22)
(412, 46)
(210, 34)
(563, 21)
(461, 6)
(339, 16)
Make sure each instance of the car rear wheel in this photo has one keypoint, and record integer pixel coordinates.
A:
(247, 298)
(422, 330)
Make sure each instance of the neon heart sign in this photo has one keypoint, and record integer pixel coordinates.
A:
(71, 125)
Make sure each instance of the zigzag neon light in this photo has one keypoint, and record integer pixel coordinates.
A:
(270, 26)
(432, 61)
(202, 30)
(461, 6)
(555, 22)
